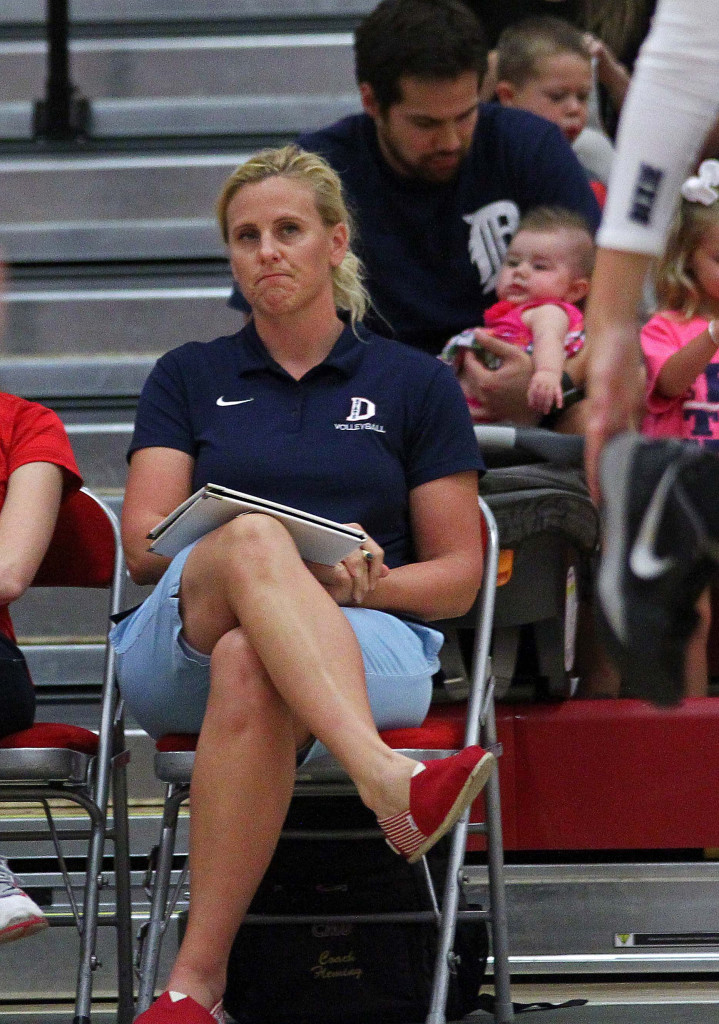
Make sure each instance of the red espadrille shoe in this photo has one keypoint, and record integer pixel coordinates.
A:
(439, 793)
(177, 1008)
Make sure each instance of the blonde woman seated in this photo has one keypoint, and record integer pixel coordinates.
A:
(241, 640)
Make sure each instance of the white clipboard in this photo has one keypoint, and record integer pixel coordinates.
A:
(317, 539)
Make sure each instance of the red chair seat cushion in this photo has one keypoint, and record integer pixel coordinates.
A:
(442, 729)
(176, 741)
(52, 734)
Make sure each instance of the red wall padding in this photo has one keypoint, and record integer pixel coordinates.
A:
(594, 774)
(610, 774)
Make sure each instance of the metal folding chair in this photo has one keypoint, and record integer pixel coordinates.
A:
(57, 761)
(437, 737)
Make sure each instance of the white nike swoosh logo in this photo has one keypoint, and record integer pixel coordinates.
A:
(642, 560)
(238, 401)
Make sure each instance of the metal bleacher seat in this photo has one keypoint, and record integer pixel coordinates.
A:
(56, 761)
(439, 736)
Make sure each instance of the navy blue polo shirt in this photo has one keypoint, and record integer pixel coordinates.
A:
(348, 441)
(432, 251)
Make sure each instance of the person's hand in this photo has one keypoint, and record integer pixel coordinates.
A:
(597, 49)
(349, 582)
(475, 409)
(499, 394)
(545, 391)
(488, 84)
(613, 75)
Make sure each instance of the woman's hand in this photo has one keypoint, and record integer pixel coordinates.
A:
(349, 582)
(447, 532)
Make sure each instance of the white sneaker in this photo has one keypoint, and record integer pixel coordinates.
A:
(19, 916)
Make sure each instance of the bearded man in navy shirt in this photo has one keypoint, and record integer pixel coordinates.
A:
(437, 184)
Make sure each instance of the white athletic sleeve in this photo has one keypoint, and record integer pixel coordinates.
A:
(672, 102)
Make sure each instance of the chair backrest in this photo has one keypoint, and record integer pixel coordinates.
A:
(52, 760)
(83, 548)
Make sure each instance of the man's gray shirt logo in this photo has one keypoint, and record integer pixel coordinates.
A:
(491, 231)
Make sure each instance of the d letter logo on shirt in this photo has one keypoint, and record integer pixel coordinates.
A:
(362, 409)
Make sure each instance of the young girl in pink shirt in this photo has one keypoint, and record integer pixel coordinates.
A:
(681, 344)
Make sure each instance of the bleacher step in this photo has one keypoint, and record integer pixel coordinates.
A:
(104, 208)
(274, 118)
(134, 313)
(162, 12)
(239, 65)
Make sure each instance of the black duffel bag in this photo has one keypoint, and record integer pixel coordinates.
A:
(344, 973)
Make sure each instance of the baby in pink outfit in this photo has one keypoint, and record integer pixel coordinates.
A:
(546, 271)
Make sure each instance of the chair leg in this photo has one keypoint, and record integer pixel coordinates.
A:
(448, 922)
(123, 897)
(90, 908)
(150, 951)
(503, 1010)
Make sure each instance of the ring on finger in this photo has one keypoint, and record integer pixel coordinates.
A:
(367, 555)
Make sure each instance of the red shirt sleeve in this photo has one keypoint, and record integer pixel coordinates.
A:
(38, 435)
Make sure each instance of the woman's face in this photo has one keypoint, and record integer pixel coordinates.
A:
(281, 253)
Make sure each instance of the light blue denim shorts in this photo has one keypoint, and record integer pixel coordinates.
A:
(165, 683)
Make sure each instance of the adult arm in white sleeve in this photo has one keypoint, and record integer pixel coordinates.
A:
(671, 105)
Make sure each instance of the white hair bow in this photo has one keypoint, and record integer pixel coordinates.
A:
(703, 188)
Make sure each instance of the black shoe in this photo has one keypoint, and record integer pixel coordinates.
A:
(660, 535)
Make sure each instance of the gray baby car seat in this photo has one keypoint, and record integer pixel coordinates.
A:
(536, 489)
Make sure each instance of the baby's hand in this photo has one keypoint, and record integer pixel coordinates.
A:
(545, 391)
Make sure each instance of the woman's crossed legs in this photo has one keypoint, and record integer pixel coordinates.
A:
(285, 665)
